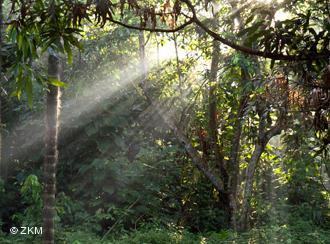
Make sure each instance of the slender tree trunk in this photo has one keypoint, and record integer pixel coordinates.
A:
(213, 126)
(234, 171)
(213, 130)
(3, 168)
(259, 148)
(262, 141)
(234, 160)
(51, 154)
(238, 125)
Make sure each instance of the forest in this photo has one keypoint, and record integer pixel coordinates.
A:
(164, 121)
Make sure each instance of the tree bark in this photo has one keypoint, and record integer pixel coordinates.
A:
(262, 141)
(234, 162)
(259, 148)
(213, 131)
(51, 150)
(213, 127)
(3, 168)
(197, 160)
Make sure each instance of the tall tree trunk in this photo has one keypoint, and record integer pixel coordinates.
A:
(238, 125)
(213, 129)
(234, 160)
(213, 126)
(51, 153)
(3, 168)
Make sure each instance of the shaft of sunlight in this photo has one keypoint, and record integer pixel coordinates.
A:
(76, 107)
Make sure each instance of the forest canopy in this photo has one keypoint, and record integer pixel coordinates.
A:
(173, 121)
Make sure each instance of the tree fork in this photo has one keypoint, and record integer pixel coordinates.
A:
(260, 145)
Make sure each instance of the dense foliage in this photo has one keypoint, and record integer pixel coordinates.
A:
(166, 135)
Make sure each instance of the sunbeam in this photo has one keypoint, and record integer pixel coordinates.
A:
(77, 107)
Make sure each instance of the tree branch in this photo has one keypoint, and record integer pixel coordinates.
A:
(251, 51)
(196, 159)
(190, 21)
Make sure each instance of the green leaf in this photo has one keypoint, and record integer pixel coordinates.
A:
(12, 33)
(68, 50)
(57, 82)
(20, 40)
(32, 49)
(29, 92)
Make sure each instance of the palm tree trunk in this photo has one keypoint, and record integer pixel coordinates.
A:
(2, 167)
(51, 153)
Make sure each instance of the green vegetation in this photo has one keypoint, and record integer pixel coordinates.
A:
(165, 121)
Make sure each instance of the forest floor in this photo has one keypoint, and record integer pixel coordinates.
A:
(301, 232)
